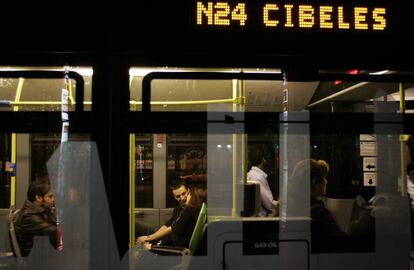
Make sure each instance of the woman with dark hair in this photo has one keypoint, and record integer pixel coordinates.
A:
(323, 222)
(317, 171)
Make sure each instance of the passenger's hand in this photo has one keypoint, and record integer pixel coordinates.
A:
(275, 212)
(275, 209)
(142, 239)
(147, 246)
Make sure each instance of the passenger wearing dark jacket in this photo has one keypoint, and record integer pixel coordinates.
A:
(323, 222)
(36, 218)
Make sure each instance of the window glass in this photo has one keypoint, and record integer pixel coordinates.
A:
(144, 186)
(42, 94)
(200, 94)
(332, 169)
(42, 147)
(5, 170)
(187, 160)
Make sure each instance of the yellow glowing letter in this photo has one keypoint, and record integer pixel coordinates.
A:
(239, 13)
(306, 19)
(289, 16)
(325, 17)
(207, 11)
(341, 23)
(267, 8)
(360, 18)
(220, 17)
(380, 21)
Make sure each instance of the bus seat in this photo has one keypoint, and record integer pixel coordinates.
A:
(198, 229)
(249, 206)
(194, 241)
(341, 210)
(13, 214)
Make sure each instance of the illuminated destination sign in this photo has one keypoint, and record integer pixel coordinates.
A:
(338, 16)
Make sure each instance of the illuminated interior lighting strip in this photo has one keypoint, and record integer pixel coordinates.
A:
(143, 71)
(39, 103)
(198, 102)
(379, 72)
(337, 94)
(87, 72)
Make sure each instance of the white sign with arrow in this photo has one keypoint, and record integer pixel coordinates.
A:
(370, 179)
(369, 164)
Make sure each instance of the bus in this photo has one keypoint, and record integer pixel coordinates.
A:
(119, 104)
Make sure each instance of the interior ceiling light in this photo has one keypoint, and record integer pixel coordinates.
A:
(379, 72)
(144, 71)
(84, 71)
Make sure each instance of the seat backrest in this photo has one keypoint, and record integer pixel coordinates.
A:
(13, 214)
(198, 229)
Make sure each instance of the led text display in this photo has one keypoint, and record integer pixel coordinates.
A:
(292, 16)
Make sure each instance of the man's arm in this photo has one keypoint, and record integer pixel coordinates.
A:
(266, 195)
(36, 225)
(160, 233)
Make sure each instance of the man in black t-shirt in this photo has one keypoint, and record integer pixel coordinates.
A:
(182, 194)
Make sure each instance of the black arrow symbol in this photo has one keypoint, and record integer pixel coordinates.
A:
(370, 182)
(369, 166)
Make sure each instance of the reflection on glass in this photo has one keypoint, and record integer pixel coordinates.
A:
(144, 171)
(38, 94)
(186, 158)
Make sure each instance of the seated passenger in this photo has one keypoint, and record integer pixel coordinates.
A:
(178, 229)
(323, 220)
(259, 161)
(183, 227)
(323, 223)
(36, 217)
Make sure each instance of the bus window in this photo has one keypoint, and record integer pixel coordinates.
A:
(35, 89)
(41, 94)
(186, 159)
(42, 147)
(181, 94)
(346, 205)
(144, 159)
(5, 174)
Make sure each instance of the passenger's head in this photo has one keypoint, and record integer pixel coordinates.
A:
(180, 192)
(260, 155)
(319, 177)
(40, 193)
(198, 196)
(316, 170)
